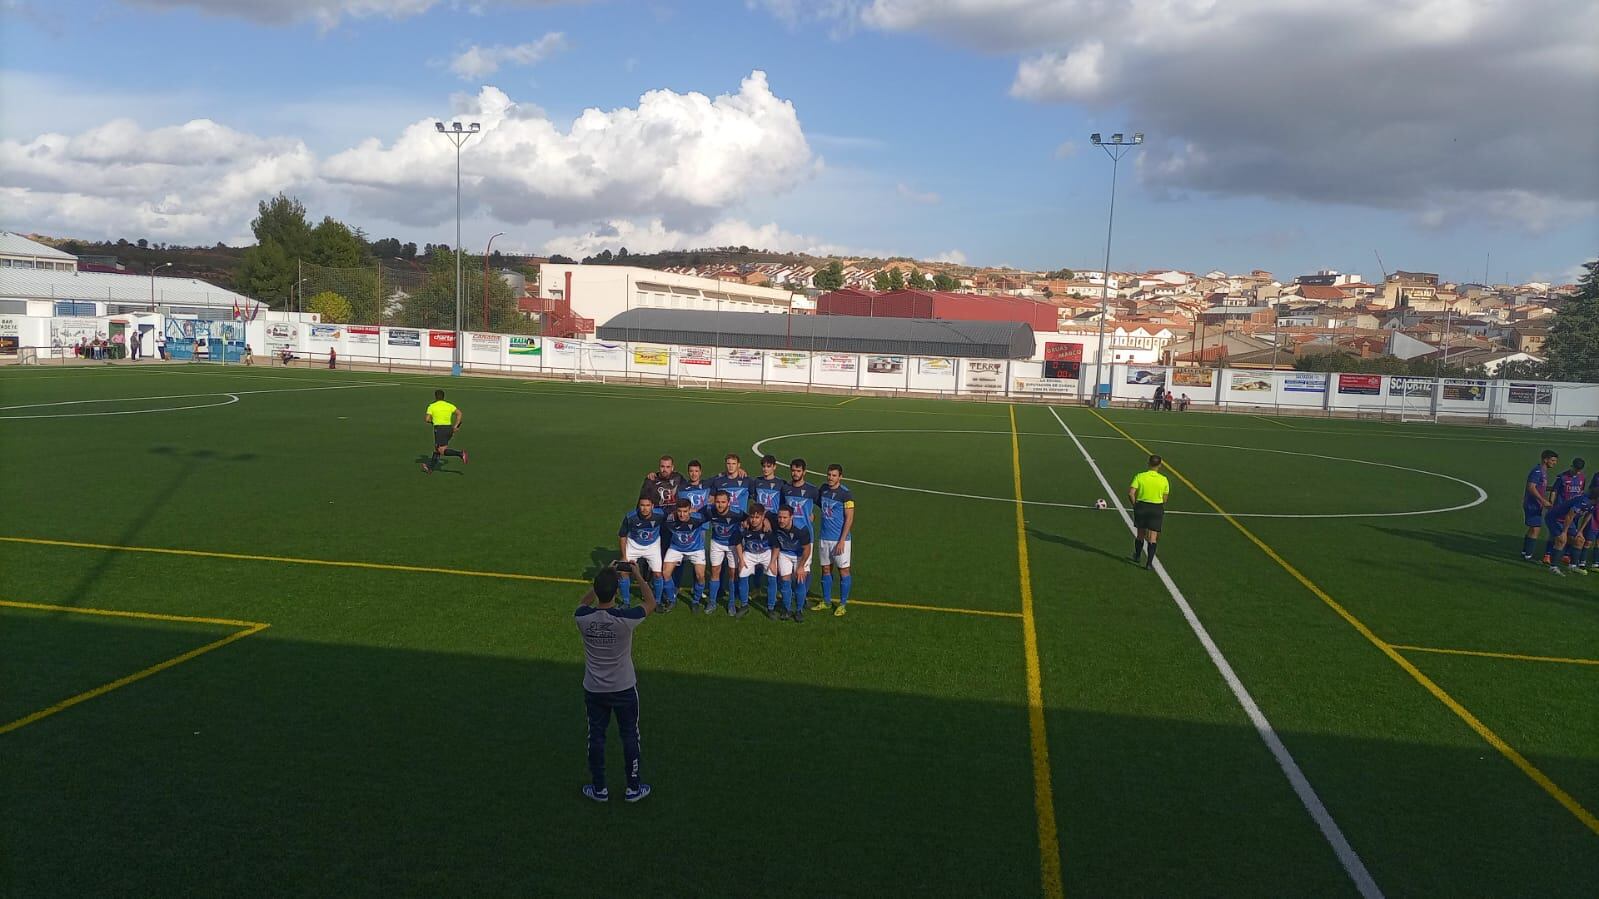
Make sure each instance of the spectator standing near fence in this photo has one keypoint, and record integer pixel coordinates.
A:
(610, 683)
(333, 358)
(161, 346)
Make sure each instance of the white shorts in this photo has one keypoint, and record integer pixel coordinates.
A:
(831, 558)
(721, 555)
(752, 559)
(650, 554)
(787, 565)
(675, 556)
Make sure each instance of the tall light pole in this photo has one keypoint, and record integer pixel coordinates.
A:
(152, 283)
(1115, 148)
(457, 136)
(486, 277)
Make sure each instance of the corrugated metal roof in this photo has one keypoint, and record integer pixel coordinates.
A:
(17, 245)
(824, 333)
(44, 284)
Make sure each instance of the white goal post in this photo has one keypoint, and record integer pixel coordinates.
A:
(688, 381)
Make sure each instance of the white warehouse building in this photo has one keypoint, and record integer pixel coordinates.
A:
(598, 293)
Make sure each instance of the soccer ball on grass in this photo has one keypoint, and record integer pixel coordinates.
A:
(1099, 504)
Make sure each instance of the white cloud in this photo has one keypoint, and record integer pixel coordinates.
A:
(953, 257)
(477, 62)
(910, 195)
(326, 13)
(1067, 149)
(653, 236)
(1420, 106)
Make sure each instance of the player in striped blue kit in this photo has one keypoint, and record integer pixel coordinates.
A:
(1535, 501)
(838, 521)
(639, 539)
(792, 556)
(684, 537)
(1566, 521)
(755, 551)
(726, 535)
(736, 482)
(802, 498)
(696, 491)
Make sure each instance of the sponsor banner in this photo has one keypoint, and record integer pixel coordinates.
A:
(1302, 383)
(404, 337)
(324, 333)
(280, 335)
(10, 335)
(1360, 385)
(362, 333)
(1403, 386)
(697, 355)
(563, 353)
(1529, 394)
(524, 346)
(1140, 374)
(610, 356)
(1250, 383)
(885, 365)
(1460, 389)
(790, 360)
(937, 367)
(1043, 385)
(10, 325)
(485, 343)
(742, 358)
(445, 339)
(837, 362)
(1193, 377)
(985, 376)
(1063, 360)
(657, 356)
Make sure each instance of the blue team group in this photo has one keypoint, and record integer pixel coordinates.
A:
(1567, 505)
(734, 529)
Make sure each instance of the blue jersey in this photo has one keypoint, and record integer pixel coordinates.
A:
(769, 493)
(1580, 504)
(726, 529)
(756, 541)
(697, 494)
(834, 500)
(793, 541)
(1535, 478)
(685, 535)
(1568, 484)
(738, 490)
(802, 498)
(641, 530)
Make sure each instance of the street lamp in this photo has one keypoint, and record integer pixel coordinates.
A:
(458, 136)
(1117, 147)
(152, 283)
(486, 277)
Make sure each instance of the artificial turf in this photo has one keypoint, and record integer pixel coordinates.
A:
(421, 731)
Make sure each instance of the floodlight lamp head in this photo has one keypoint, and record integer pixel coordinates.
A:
(1092, 138)
(476, 127)
(440, 126)
(455, 126)
(1138, 137)
(1116, 138)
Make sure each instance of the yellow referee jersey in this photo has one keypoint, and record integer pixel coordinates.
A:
(441, 413)
(1151, 487)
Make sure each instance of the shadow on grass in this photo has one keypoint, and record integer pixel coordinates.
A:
(1514, 574)
(424, 458)
(1078, 545)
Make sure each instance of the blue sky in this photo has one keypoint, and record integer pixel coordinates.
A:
(931, 129)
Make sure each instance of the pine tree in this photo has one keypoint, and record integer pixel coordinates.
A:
(1572, 350)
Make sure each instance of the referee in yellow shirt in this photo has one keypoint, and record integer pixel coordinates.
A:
(445, 418)
(1148, 495)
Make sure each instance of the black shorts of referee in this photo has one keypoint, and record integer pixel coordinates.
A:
(442, 434)
(1149, 516)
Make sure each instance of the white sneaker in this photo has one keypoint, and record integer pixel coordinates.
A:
(1575, 570)
(1555, 569)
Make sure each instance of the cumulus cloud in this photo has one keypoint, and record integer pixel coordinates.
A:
(653, 236)
(477, 62)
(911, 195)
(953, 257)
(1422, 106)
(324, 12)
(682, 157)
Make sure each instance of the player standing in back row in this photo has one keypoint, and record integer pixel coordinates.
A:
(446, 420)
(1535, 501)
(801, 497)
(838, 520)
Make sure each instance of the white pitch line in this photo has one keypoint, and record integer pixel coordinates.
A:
(1482, 495)
(183, 396)
(1353, 866)
(231, 399)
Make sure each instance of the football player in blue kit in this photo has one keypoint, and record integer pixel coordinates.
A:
(639, 539)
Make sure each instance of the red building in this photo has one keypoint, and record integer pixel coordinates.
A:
(939, 304)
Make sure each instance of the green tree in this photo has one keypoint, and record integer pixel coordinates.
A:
(896, 281)
(831, 277)
(331, 306)
(1572, 351)
(282, 220)
(942, 281)
(880, 281)
(432, 304)
(917, 280)
(266, 273)
(334, 244)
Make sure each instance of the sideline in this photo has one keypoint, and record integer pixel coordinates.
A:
(1484, 654)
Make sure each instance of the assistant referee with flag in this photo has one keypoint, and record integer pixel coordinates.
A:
(1148, 494)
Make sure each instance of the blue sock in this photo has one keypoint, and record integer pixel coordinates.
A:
(771, 591)
(741, 589)
(787, 585)
(827, 587)
(660, 589)
(624, 587)
(699, 591)
(1549, 548)
(843, 588)
(1528, 544)
(714, 587)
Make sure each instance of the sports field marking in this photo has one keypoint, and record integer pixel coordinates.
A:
(1043, 789)
(1281, 424)
(421, 569)
(229, 399)
(1353, 866)
(247, 628)
(1353, 432)
(847, 402)
(1481, 653)
(1526, 767)
(1482, 495)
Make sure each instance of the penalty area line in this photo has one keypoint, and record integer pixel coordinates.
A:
(1353, 866)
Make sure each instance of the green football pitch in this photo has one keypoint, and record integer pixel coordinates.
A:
(247, 647)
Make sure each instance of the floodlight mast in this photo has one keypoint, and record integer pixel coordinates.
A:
(457, 136)
(1117, 147)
